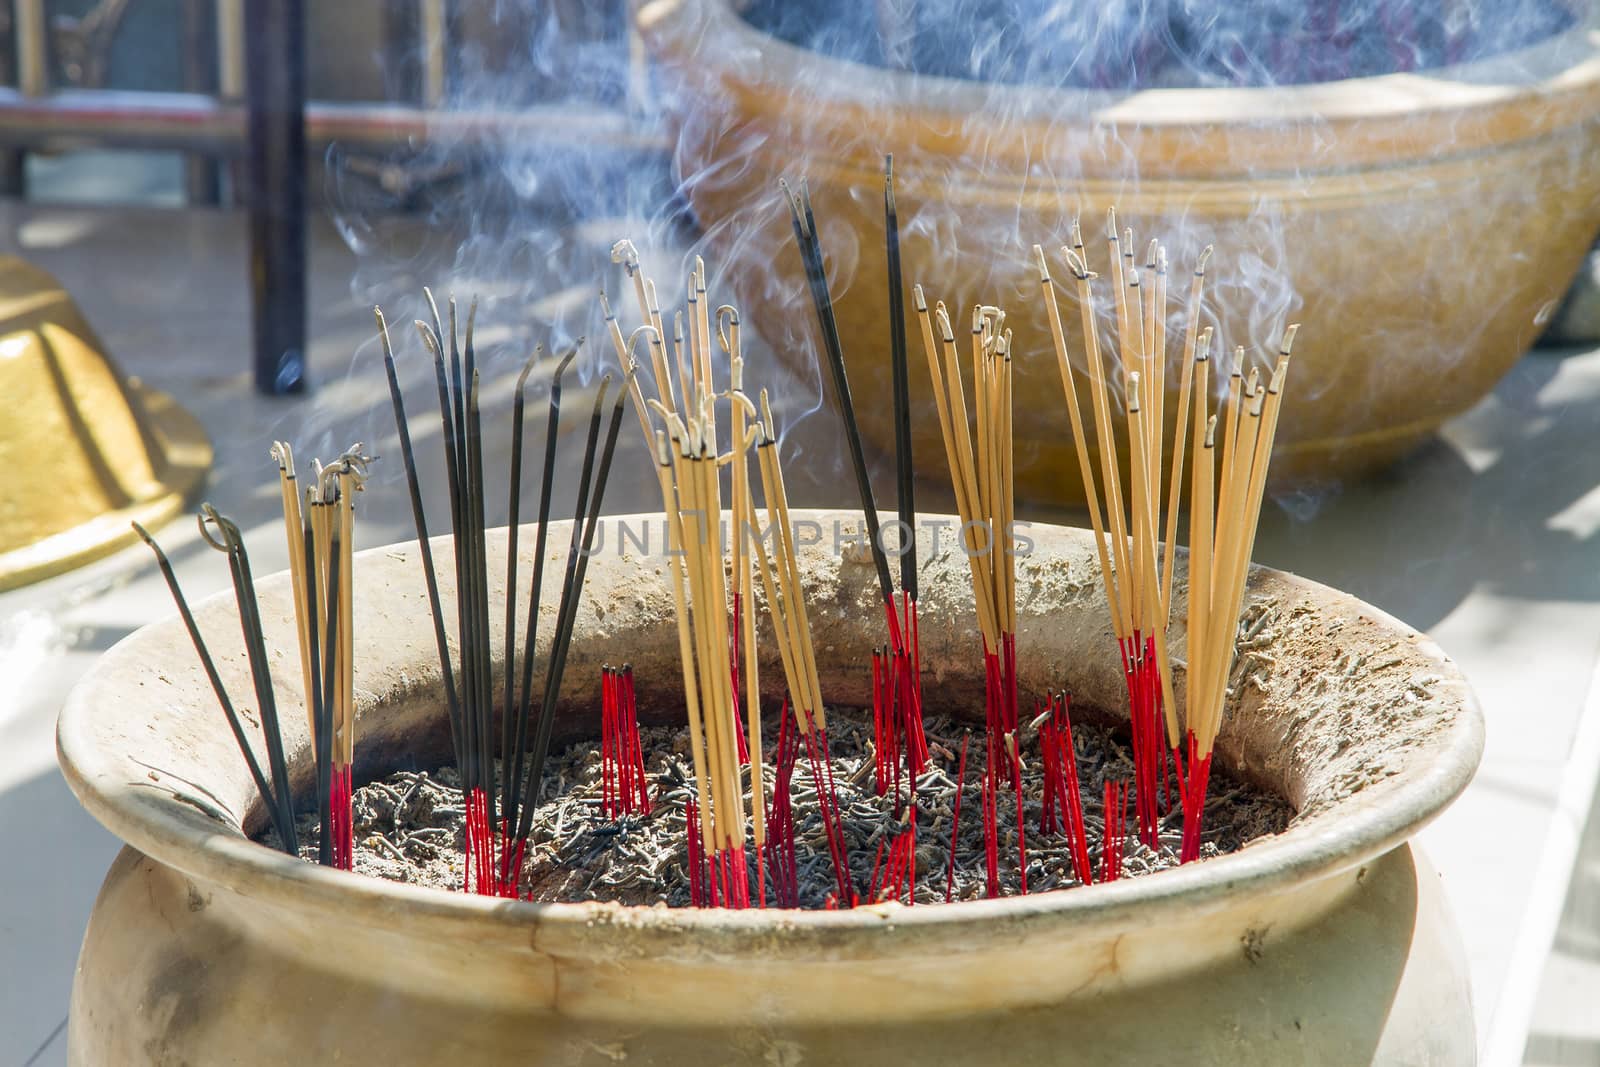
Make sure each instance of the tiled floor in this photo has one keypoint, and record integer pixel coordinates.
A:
(1486, 539)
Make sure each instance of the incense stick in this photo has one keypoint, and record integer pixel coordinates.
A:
(577, 565)
(495, 800)
(513, 529)
(517, 752)
(232, 545)
(904, 473)
(272, 795)
(424, 544)
(980, 462)
(806, 237)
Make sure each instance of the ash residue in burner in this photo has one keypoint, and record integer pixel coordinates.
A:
(409, 826)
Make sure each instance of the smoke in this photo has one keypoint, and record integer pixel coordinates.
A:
(1008, 118)
(1153, 44)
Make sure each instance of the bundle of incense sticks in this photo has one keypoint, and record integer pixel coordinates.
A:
(688, 460)
(319, 525)
(904, 681)
(1136, 572)
(624, 790)
(273, 784)
(981, 472)
(1222, 535)
(781, 860)
(1114, 835)
(500, 792)
(691, 491)
(906, 657)
(320, 537)
(897, 877)
(1062, 801)
(687, 472)
(899, 730)
(1136, 562)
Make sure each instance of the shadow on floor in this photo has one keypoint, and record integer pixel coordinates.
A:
(46, 839)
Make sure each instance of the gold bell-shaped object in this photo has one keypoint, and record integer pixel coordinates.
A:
(83, 450)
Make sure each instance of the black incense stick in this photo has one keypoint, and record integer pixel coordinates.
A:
(479, 617)
(519, 744)
(805, 233)
(320, 708)
(507, 716)
(419, 517)
(541, 737)
(902, 389)
(458, 384)
(435, 348)
(320, 698)
(244, 593)
(282, 821)
(324, 745)
(571, 594)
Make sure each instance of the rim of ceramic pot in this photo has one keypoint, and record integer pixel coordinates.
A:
(1168, 133)
(177, 831)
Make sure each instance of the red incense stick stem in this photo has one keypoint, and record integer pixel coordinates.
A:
(1022, 824)
(691, 829)
(991, 842)
(955, 820)
(643, 805)
(1194, 802)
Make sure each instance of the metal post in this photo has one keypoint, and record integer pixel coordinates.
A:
(435, 31)
(230, 50)
(30, 26)
(33, 47)
(276, 191)
(200, 174)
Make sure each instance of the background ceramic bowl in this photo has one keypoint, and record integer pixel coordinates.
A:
(1421, 226)
(1326, 944)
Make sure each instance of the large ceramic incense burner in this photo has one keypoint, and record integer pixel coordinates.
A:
(1428, 222)
(1326, 944)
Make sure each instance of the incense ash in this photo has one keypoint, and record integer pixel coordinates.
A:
(410, 825)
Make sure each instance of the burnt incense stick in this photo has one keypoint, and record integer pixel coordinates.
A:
(519, 740)
(513, 523)
(585, 477)
(805, 234)
(462, 437)
(315, 697)
(480, 591)
(424, 546)
(324, 739)
(232, 545)
(498, 808)
(282, 819)
(904, 467)
(905, 676)
(431, 340)
(571, 594)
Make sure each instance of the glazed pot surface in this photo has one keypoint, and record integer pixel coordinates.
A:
(204, 941)
(1422, 227)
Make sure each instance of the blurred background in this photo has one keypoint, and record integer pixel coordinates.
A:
(202, 200)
